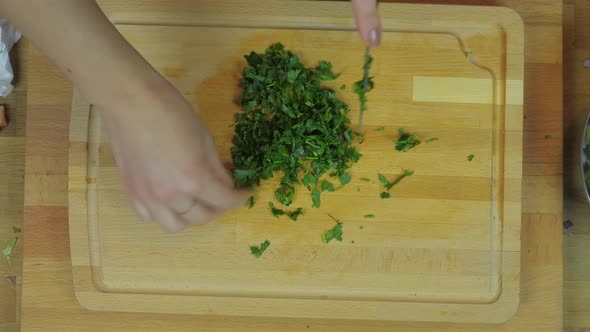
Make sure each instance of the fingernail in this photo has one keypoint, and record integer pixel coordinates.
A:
(374, 37)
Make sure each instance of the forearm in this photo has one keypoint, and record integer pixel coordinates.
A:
(78, 37)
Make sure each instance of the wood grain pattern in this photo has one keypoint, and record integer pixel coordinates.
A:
(49, 303)
(459, 255)
(577, 102)
(12, 170)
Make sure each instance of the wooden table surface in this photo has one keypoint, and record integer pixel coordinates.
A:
(48, 302)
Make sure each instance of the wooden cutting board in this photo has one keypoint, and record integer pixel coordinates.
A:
(445, 247)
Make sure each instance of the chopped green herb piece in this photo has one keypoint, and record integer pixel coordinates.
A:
(334, 233)
(405, 141)
(278, 212)
(431, 140)
(380, 129)
(7, 252)
(324, 71)
(363, 86)
(343, 87)
(327, 186)
(251, 202)
(315, 198)
(470, 157)
(284, 194)
(309, 179)
(548, 136)
(388, 185)
(365, 179)
(345, 178)
(383, 180)
(294, 215)
(275, 212)
(385, 194)
(258, 251)
(289, 124)
(369, 216)
(16, 230)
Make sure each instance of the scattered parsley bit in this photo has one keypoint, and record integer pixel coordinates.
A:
(294, 215)
(327, 186)
(385, 194)
(278, 212)
(369, 216)
(289, 124)
(343, 87)
(315, 198)
(431, 140)
(548, 136)
(16, 230)
(388, 185)
(361, 227)
(470, 157)
(258, 251)
(345, 178)
(284, 194)
(365, 179)
(7, 252)
(334, 233)
(251, 202)
(275, 212)
(363, 86)
(380, 129)
(405, 141)
(324, 72)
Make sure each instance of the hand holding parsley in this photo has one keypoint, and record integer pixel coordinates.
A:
(367, 21)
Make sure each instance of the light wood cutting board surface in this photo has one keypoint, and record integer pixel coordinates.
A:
(457, 260)
(236, 320)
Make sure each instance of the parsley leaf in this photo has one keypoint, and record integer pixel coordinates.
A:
(315, 197)
(258, 251)
(365, 180)
(284, 194)
(16, 230)
(363, 86)
(275, 212)
(345, 178)
(431, 140)
(343, 87)
(380, 129)
(405, 141)
(385, 194)
(7, 252)
(324, 71)
(334, 233)
(251, 202)
(369, 216)
(327, 186)
(388, 185)
(294, 215)
(470, 157)
(383, 180)
(278, 212)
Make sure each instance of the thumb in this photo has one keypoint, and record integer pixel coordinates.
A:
(367, 21)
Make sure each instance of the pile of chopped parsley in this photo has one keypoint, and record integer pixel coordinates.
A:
(290, 126)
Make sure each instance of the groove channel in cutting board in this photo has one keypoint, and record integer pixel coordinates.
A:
(448, 236)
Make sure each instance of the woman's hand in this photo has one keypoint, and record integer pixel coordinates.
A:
(367, 21)
(168, 161)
